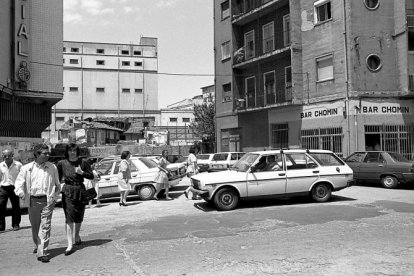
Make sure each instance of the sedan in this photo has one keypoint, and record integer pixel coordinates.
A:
(387, 168)
(143, 172)
(316, 173)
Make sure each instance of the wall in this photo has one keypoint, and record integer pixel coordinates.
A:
(5, 42)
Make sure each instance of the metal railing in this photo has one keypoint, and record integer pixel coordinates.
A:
(323, 138)
(245, 6)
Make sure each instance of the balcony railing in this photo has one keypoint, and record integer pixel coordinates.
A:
(265, 99)
(266, 47)
(244, 6)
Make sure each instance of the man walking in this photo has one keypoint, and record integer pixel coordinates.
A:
(9, 169)
(39, 180)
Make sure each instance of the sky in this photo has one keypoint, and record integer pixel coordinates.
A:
(184, 29)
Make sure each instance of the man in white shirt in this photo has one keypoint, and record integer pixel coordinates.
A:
(9, 169)
(39, 180)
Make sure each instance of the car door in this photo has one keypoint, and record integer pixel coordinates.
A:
(354, 161)
(372, 166)
(301, 172)
(108, 180)
(261, 183)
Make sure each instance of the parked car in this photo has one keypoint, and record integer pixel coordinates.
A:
(203, 161)
(224, 160)
(292, 172)
(387, 168)
(177, 170)
(143, 172)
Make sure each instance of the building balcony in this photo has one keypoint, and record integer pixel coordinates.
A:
(265, 100)
(246, 11)
(36, 97)
(247, 55)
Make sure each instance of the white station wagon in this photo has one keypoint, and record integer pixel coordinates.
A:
(275, 173)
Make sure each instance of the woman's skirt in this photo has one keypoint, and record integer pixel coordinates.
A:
(123, 185)
(162, 180)
(74, 209)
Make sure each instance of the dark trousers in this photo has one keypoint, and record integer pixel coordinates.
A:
(7, 192)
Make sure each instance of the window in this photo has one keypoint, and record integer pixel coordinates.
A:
(225, 50)
(322, 11)
(249, 44)
(371, 4)
(125, 63)
(227, 92)
(100, 62)
(186, 120)
(73, 89)
(138, 90)
(100, 89)
(74, 61)
(374, 63)
(63, 89)
(137, 53)
(126, 90)
(74, 50)
(64, 49)
(100, 51)
(299, 161)
(322, 138)
(268, 38)
(280, 136)
(138, 63)
(286, 30)
(288, 76)
(324, 67)
(63, 61)
(410, 27)
(174, 120)
(269, 87)
(250, 85)
(225, 10)
(124, 52)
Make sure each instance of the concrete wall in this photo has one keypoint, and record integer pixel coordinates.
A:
(6, 73)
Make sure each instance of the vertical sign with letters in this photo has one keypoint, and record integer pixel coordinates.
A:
(22, 33)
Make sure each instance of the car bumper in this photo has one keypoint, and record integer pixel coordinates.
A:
(408, 177)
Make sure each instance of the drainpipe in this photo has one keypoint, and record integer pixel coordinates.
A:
(347, 79)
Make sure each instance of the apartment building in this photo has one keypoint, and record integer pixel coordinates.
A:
(326, 74)
(102, 80)
(30, 70)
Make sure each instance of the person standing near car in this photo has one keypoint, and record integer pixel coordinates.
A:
(124, 176)
(192, 169)
(95, 184)
(9, 169)
(162, 177)
(39, 180)
(72, 171)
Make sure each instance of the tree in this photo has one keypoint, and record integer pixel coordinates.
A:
(204, 124)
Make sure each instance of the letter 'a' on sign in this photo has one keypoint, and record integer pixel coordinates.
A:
(23, 31)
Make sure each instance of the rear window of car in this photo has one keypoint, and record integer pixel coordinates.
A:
(148, 162)
(104, 168)
(327, 159)
(220, 157)
(398, 157)
(356, 157)
(203, 157)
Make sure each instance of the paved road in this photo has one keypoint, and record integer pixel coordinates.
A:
(364, 230)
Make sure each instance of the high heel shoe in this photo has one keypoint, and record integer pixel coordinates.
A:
(69, 252)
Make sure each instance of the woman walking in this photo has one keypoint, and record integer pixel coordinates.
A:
(95, 183)
(124, 175)
(72, 171)
(162, 177)
(192, 169)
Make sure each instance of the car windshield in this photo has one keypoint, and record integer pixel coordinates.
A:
(398, 157)
(203, 157)
(148, 162)
(244, 163)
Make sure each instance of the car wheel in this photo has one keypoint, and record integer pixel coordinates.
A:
(321, 192)
(146, 192)
(226, 199)
(389, 182)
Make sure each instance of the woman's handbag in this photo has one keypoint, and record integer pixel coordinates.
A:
(88, 195)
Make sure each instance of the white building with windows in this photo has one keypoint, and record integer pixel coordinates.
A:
(108, 80)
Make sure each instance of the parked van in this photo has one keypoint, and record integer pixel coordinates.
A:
(223, 160)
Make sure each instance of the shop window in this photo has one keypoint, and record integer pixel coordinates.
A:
(225, 10)
(280, 136)
(323, 11)
(371, 4)
(225, 50)
(324, 66)
(374, 63)
(325, 138)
